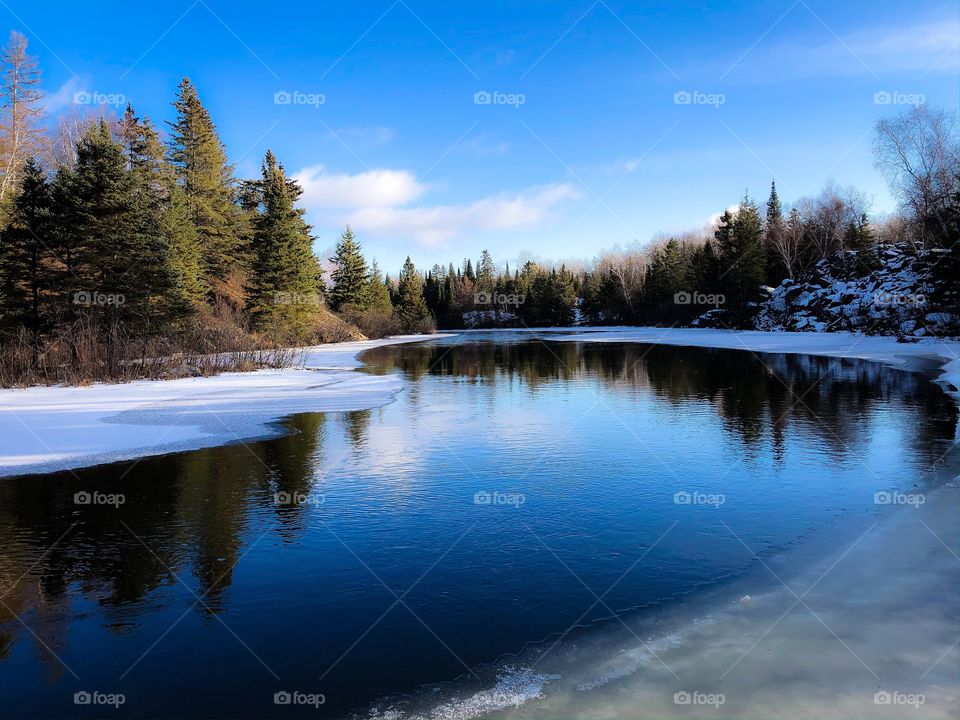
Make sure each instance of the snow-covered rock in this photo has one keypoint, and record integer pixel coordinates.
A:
(902, 296)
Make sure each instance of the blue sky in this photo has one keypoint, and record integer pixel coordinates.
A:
(585, 142)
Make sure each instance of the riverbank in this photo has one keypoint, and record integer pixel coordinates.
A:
(53, 428)
(47, 429)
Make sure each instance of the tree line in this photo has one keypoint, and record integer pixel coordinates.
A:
(120, 244)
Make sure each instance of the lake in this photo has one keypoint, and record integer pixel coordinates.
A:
(520, 493)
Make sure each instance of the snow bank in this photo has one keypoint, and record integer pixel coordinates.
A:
(46, 429)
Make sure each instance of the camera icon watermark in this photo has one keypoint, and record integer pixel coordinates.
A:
(896, 497)
(685, 97)
(489, 298)
(298, 498)
(698, 498)
(895, 97)
(695, 697)
(284, 97)
(697, 298)
(85, 497)
(484, 97)
(886, 697)
(95, 697)
(93, 298)
(892, 298)
(95, 97)
(499, 498)
(295, 697)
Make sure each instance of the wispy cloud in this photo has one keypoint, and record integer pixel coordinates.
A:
(434, 225)
(923, 47)
(63, 96)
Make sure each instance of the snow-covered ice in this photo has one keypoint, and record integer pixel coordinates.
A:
(45, 429)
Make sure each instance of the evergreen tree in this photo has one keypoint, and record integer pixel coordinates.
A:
(378, 292)
(113, 267)
(26, 275)
(283, 293)
(350, 274)
(485, 272)
(773, 237)
(152, 182)
(207, 181)
(748, 266)
(413, 308)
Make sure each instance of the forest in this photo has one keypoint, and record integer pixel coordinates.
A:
(128, 249)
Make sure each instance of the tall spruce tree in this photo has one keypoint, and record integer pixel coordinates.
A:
(206, 178)
(485, 272)
(413, 308)
(152, 183)
(350, 274)
(773, 238)
(378, 293)
(744, 259)
(283, 294)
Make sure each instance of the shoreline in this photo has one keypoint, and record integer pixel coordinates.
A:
(49, 429)
(58, 428)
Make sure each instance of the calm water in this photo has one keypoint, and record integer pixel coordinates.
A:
(428, 538)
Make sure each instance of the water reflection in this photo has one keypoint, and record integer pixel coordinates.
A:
(372, 499)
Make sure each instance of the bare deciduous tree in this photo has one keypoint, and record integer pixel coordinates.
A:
(917, 152)
(20, 111)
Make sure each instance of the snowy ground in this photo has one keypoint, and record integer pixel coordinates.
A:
(45, 429)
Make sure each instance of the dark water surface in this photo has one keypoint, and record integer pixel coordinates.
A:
(443, 531)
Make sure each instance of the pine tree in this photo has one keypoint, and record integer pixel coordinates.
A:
(207, 181)
(109, 281)
(413, 308)
(378, 293)
(773, 237)
(152, 183)
(350, 275)
(485, 272)
(283, 294)
(746, 263)
(26, 273)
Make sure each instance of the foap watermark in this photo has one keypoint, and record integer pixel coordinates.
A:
(295, 298)
(298, 498)
(698, 298)
(295, 697)
(887, 697)
(85, 497)
(685, 97)
(685, 697)
(895, 97)
(96, 97)
(698, 498)
(284, 97)
(895, 497)
(95, 697)
(893, 298)
(499, 498)
(91, 298)
(488, 298)
(484, 97)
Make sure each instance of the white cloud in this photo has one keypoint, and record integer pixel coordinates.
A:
(63, 96)
(433, 225)
(370, 189)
